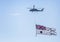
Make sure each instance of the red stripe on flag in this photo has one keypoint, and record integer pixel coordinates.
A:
(40, 27)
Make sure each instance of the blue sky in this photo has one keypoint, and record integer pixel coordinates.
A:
(17, 24)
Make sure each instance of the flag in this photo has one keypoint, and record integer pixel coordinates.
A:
(40, 29)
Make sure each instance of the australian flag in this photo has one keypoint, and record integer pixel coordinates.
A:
(40, 29)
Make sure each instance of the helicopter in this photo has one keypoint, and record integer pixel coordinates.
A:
(35, 10)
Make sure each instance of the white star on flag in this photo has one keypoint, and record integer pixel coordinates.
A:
(45, 30)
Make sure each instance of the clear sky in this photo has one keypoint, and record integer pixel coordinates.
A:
(17, 24)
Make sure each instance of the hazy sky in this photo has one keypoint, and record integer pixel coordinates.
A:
(17, 24)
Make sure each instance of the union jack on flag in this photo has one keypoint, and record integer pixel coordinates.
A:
(40, 29)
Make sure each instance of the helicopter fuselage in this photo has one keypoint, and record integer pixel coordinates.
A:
(33, 10)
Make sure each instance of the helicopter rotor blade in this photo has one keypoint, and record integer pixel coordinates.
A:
(39, 8)
(29, 8)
